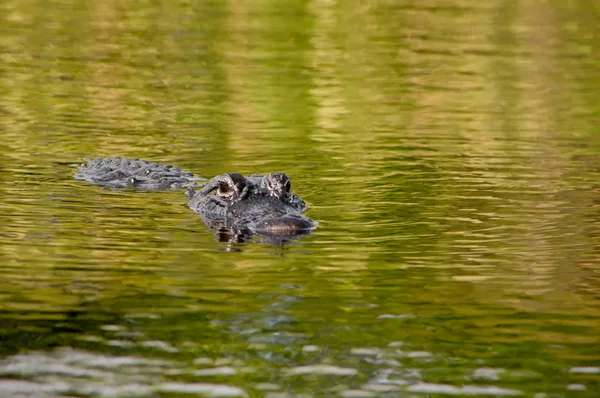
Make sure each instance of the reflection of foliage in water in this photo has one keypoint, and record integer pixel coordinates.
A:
(450, 153)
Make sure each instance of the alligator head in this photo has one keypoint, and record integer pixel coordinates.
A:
(261, 205)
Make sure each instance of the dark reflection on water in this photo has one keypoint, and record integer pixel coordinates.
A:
(450, 153)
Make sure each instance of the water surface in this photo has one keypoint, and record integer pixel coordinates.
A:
(449, 151)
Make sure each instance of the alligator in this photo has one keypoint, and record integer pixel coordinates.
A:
(234, 207)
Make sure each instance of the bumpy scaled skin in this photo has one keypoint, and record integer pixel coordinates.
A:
(247, 205)
(134, 173)
(278, 186)
(233, 206)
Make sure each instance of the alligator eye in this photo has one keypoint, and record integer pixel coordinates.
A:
(224, 189)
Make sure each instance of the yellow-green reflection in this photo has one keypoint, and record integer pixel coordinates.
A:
(449, 149)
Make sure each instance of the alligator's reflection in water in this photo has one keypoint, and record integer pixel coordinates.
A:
(224, 232)
(234, 207)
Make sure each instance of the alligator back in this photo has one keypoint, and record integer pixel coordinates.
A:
(120, 172)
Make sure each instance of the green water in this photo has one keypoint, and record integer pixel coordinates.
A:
(449, 150)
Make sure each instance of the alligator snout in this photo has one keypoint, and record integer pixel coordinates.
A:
(289, 224)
